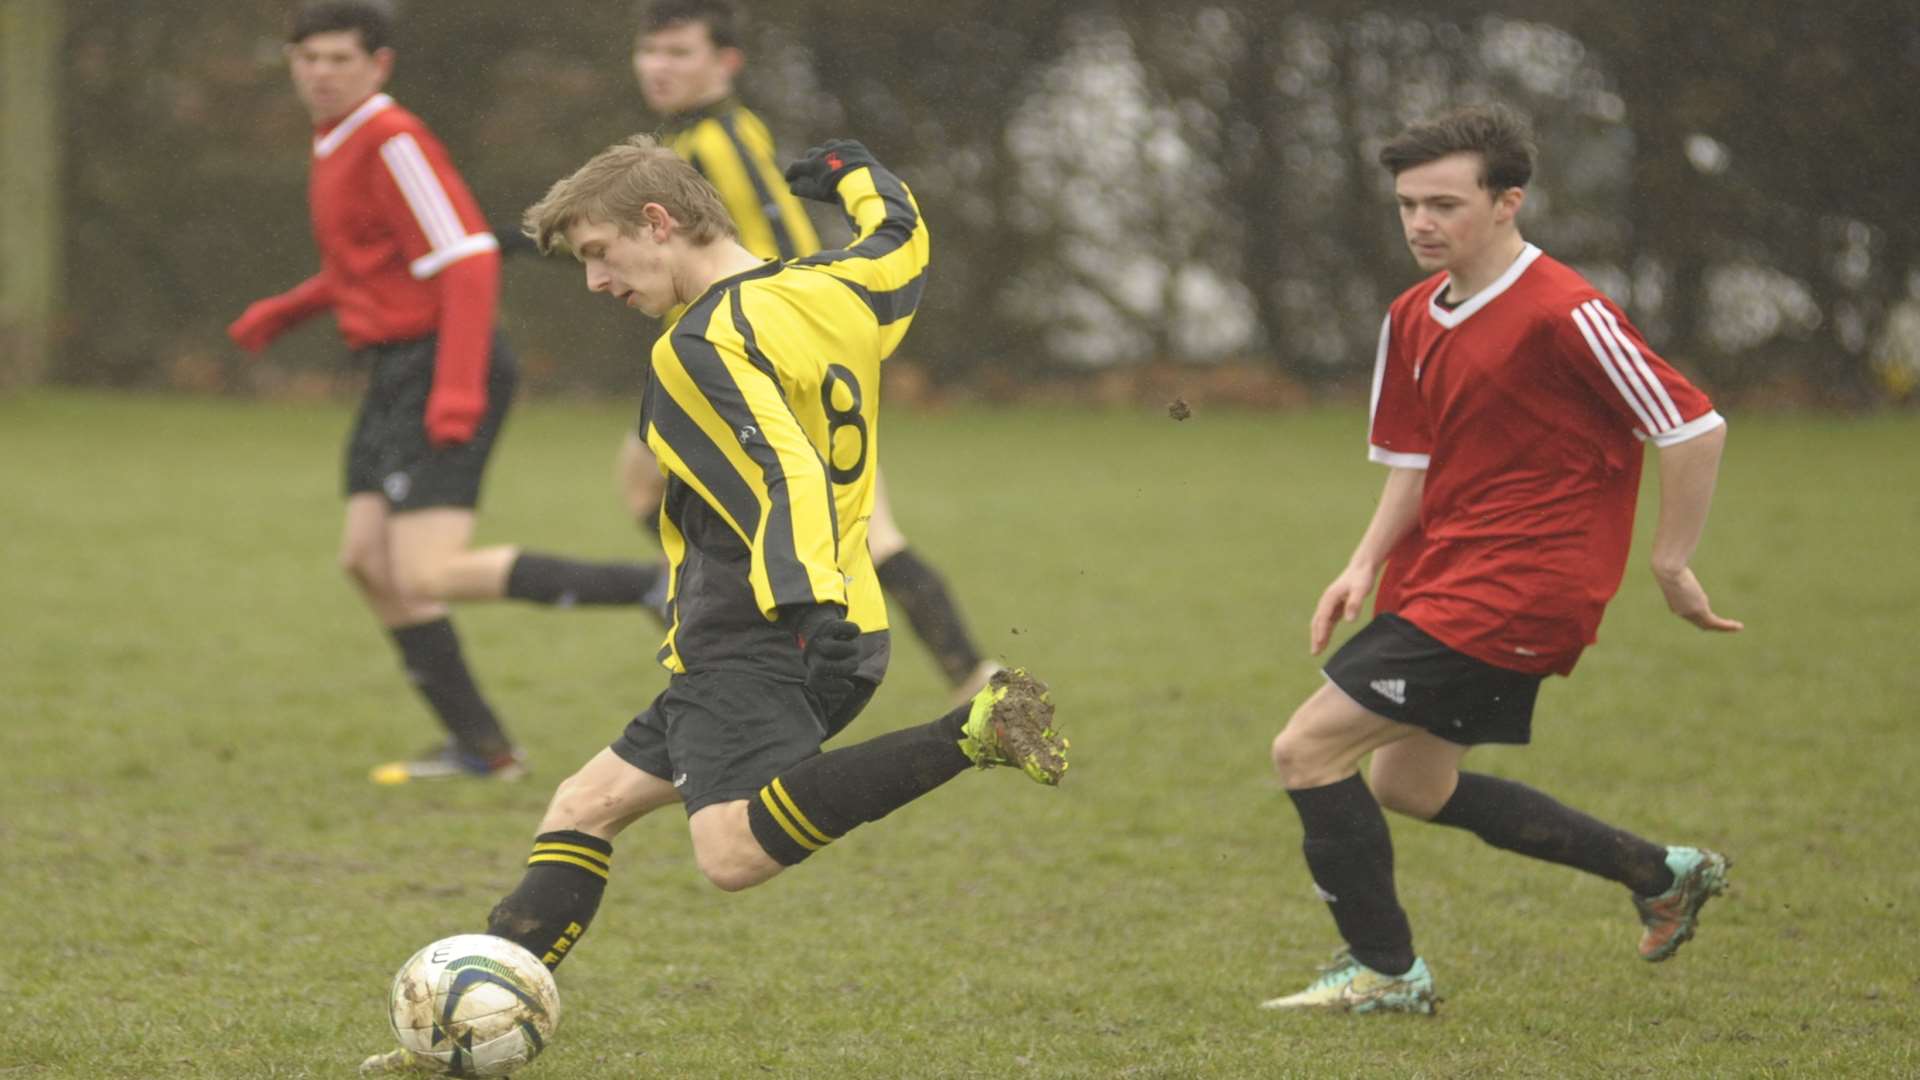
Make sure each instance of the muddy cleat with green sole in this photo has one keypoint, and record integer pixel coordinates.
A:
(1347, 985)
(1012, 724)
(1670, 918)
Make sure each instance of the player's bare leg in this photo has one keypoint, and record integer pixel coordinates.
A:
(431, 655)
(434, 559)
(572, 854)
(1350, 855)
(923, 594)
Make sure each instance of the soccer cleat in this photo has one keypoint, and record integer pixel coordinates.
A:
(448, 762)
(1347, 985)
(1698, 876)
(1011, 723)
(395, 1061)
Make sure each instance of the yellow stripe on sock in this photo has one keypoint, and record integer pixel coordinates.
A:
(574, 849)
(780, 819)
(570, 860)
(786, 800)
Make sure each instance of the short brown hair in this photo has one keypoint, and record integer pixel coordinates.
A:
(373, 21)
(613, 186)
(722, 21)
(1501, 136)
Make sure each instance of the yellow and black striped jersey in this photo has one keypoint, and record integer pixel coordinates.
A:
(729, 146)
(763, 410)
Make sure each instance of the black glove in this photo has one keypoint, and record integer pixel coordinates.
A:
(829, 644)
(514, 242)
(817, 174)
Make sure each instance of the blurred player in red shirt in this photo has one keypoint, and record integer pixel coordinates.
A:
(411, 273)
(1510, 404)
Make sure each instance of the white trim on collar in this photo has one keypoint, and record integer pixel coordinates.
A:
(1458, 315)
(328, 143)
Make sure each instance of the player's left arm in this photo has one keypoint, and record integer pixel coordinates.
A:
(1688, 471)
(886, 263)
(447, 241)
(1661, 406)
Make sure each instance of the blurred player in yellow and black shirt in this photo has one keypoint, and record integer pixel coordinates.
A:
(686, 58)
(764, 409)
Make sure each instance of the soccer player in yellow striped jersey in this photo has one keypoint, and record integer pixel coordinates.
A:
(765, 413)
(686, 58)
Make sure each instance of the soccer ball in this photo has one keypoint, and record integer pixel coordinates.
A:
(474, 1005)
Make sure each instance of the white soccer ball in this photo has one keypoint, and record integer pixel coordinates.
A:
(474, 1005)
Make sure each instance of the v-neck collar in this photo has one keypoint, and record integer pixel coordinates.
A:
(1453, 317)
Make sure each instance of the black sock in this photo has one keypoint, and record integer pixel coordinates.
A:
(430, 652)
(931, 611)
(1350, 853)
(1515, 817)
(547, 579)
(817, 801)
(547, 913)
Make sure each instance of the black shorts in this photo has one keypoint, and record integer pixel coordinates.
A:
(388, 451)
(722, 735)
(1399, 671)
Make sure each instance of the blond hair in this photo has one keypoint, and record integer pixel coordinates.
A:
(613, 186)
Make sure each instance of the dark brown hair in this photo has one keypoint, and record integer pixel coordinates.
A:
(329, 16)
(1501, 136)
(718, 16)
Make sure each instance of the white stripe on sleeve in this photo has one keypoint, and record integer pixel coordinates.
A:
(1692, 429)
(439, 259)
(1663, 399)
(421, 187)
(1379, 369)
(1399, 461)
(1607, 364)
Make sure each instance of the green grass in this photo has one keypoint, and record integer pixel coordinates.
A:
(197, 881)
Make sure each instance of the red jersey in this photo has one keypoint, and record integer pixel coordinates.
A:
(404, 252)
(1527, 405)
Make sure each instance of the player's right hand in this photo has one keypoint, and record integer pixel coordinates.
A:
(257, 326)
(829, 643)
(1341, 602)
(817, 174)
(833, 652)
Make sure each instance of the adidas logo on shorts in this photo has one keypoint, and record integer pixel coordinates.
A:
(1394, 690)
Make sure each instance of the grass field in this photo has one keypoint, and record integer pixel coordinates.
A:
(196, 880)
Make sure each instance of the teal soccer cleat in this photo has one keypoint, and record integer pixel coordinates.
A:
(1670, 918)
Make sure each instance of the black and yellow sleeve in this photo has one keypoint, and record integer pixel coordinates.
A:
(886, 263)
(721, 424)
(733, 150)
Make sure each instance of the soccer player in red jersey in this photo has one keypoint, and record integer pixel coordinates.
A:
(412, 274)
(1510, 404)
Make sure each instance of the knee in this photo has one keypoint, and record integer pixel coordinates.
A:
(364, 567)
(581, 805)
(1293, 761)
(735, 865)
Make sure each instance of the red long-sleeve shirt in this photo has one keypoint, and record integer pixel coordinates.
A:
(404, 252)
